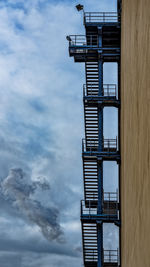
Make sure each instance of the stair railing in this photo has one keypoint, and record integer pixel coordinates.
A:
(108, 198)
(110, 256)
(83, 145)
(81, 210)
(115, 90)
(90, 17)
(110, 144)
(84, 90)
(83, 40)
(109, 90)
(88, 208)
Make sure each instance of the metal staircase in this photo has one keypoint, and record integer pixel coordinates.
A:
(90, 176)
(100, 44)
(90, 244)
(91, 126)
(91, 112)
(92, 77)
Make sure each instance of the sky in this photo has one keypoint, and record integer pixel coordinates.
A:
(41, 126)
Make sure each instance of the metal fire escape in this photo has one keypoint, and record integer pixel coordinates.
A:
(100, 44)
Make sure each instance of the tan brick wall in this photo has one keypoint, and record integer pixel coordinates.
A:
(135, 133)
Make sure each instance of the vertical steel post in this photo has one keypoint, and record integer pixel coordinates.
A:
(100, 148)
(119, 6)
(119, 148)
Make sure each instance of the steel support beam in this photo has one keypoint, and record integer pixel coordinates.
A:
(100, 243)
(100, 164)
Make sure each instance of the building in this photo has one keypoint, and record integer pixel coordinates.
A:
(135, 133)
(121, 37)
(100, 44)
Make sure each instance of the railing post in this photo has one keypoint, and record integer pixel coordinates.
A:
(117, 256)
(83, 90)
(117, 195)
(103, 202)
(90, 145)
(109, 202)
(82, 146)
(84, 19)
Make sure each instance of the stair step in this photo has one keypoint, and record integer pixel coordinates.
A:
(90, 250)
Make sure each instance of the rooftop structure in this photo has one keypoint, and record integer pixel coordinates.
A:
(100, 44)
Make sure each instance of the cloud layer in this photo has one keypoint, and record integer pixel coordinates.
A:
(41, 118)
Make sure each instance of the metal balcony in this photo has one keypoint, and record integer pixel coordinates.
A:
(110, 208)
(91, 90)
(81, 46)
(109, 98)
(109, 152)
(110, 258)
(110, 145)
(91, 145)
(101, 17)
(84, 41)
(110, 203)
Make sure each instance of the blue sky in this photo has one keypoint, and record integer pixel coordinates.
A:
(41, 126)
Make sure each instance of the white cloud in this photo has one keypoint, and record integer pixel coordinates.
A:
(41, 113)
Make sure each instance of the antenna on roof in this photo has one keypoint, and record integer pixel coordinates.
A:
(79, 7)
(68, 38)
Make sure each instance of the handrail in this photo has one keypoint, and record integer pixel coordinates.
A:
(90, 210)
(84, 40)
(110, 196)
(90, 207)
(109, 90)
(91, 17)
(109, 144)
(92, 145)
(111, 256)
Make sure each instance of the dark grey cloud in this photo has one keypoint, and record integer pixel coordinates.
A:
(15, 189)
(10, 259)
(35, 245)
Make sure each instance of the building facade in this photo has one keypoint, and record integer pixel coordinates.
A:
(99, 45)
(135, 133)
